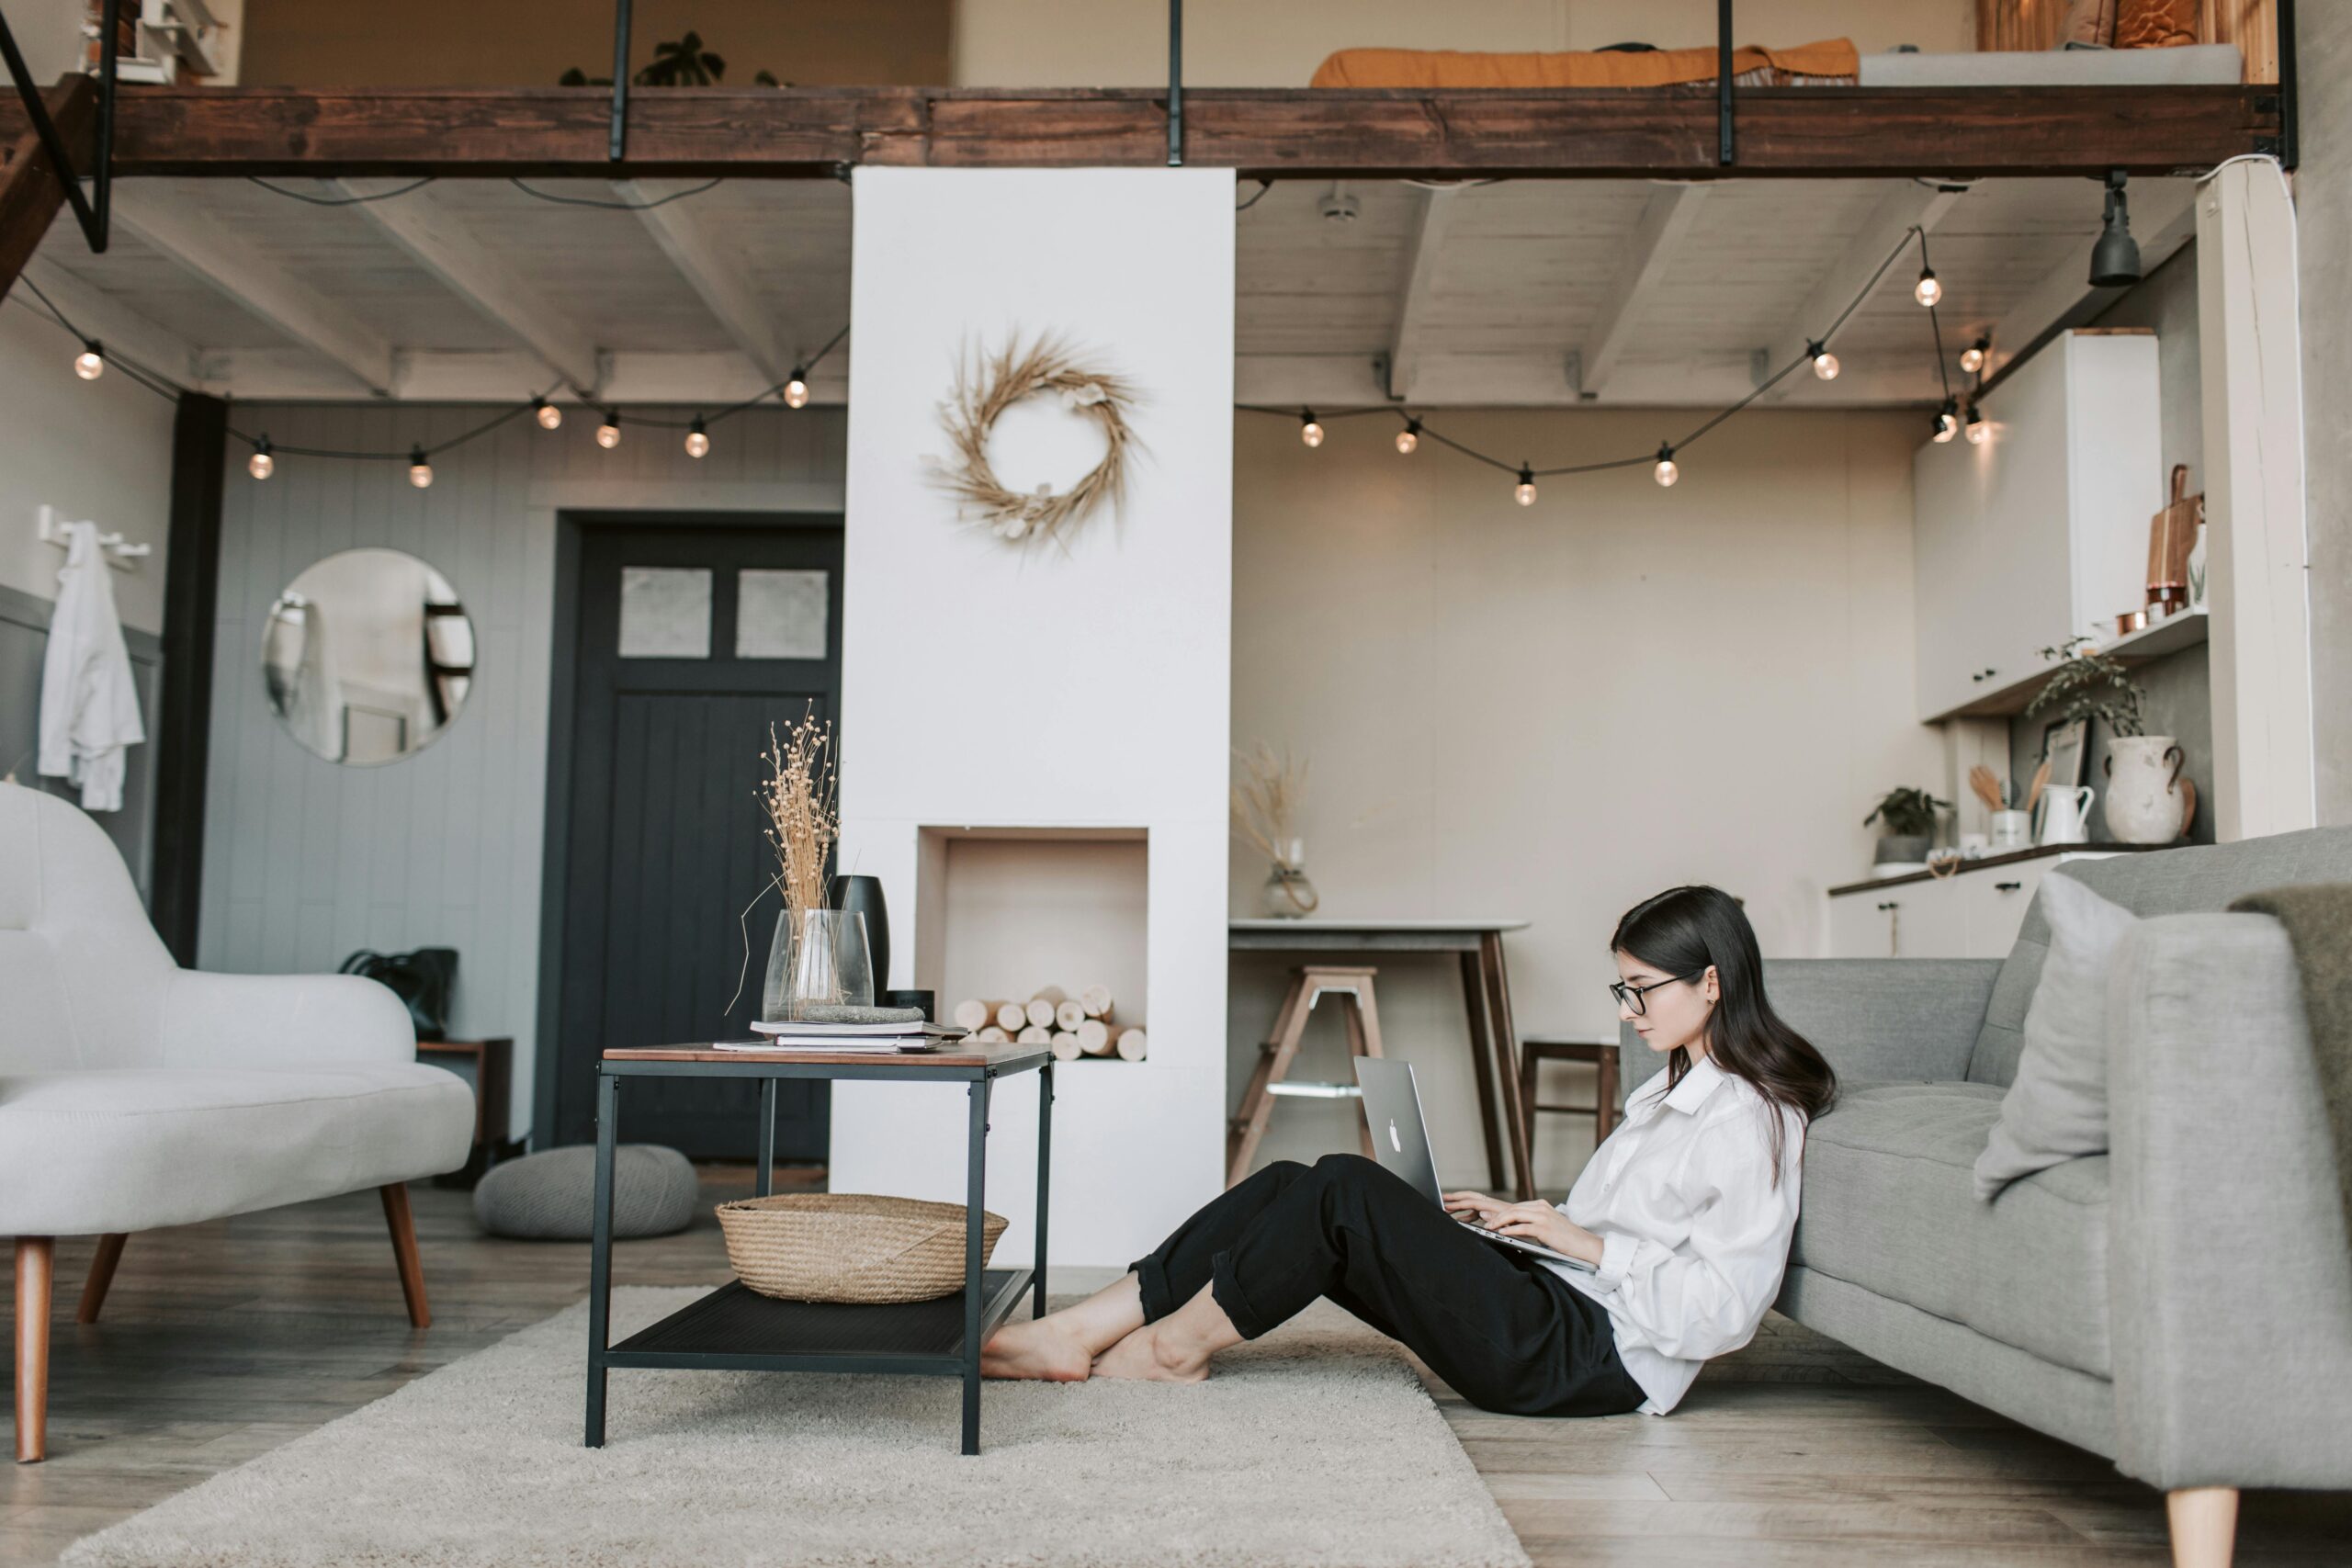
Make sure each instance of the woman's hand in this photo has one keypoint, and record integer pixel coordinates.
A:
(1533, 1220)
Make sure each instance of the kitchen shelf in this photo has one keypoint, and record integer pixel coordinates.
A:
(2185, 628)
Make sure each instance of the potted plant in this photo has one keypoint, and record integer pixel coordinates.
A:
(1910, 818)
(2147, 800)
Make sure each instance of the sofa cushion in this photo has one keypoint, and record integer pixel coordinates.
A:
(2199, 878)
(132, 1148)
(1890, 1206)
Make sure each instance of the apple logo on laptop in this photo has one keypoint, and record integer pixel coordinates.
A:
(1393, 1140)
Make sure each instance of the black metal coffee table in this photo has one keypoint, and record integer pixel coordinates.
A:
(735, 1329)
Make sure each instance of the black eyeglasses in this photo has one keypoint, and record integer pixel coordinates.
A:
(1634, 997)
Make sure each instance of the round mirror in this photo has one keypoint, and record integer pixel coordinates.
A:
(367, 657)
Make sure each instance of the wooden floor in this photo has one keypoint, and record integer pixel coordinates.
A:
(222, 1341)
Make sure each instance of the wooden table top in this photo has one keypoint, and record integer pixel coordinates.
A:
(1010, 1056)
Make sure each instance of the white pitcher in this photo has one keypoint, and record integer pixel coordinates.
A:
(2066, 815)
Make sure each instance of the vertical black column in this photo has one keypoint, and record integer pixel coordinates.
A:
(183, 727)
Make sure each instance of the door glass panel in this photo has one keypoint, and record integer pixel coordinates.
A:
(780, 615)
(665, 611)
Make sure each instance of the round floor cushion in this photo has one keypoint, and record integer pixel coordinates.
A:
(552, 1196)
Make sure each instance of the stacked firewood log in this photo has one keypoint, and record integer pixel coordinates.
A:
(1073, 1026)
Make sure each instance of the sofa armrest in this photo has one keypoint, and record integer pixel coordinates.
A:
(2229, 1276)
(282, 1021)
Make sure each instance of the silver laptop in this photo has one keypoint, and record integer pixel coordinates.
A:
(1401, 1141)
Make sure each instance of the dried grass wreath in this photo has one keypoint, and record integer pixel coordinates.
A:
(991, 383)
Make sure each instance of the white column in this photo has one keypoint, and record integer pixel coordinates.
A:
(2257, 548)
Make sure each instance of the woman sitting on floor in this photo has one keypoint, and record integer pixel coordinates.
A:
(1684, 1213)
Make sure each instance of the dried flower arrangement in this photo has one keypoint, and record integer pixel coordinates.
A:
(986, 386)
(1265, 804)
(800, 797)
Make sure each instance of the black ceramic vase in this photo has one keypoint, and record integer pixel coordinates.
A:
(863, 895)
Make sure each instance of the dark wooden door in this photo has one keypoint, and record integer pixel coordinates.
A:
(692, 640)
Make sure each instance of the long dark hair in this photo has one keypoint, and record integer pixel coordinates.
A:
(1682, 931)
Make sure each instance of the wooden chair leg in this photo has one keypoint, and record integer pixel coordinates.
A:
(1606, 1094)
(2204, 1521)
(404, 1229)
(36, 1264)
(93, 1289)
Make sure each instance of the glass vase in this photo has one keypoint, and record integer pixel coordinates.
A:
(817, 961)
(1288, 895)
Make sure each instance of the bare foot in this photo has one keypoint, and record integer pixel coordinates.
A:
(1141, 1356)
(1039, 1348)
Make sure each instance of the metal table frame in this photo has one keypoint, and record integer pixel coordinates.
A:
(988, 1298)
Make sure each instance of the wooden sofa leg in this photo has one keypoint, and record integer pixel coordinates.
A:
(93, 1289)
(2204, 1522)
(36, 1260)
(404, 1229)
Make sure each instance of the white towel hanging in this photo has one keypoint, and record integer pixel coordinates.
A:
(89, 705)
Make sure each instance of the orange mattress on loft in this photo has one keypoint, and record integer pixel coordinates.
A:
(1831, 63)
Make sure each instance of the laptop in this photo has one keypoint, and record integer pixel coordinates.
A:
(1401, 1142)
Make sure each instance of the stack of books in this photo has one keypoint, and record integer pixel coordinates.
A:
(862, 1039)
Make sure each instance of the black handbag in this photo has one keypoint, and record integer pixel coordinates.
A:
(424, 979)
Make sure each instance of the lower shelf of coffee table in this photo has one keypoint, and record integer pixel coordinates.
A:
(735, 1329)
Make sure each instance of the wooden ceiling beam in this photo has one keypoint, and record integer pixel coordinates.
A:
(30, 190)
(1412, 337)
(1916, 205)
(1271, 133)
(1666, 217)
(438, 241)
(724, 287)
(688, 379)
(1332, 381)
(175, 224)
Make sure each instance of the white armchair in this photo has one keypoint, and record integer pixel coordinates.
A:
(135, 1094)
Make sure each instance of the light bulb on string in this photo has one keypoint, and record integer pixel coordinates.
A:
(1667, 470)
(796, 390)
(697, 440)
(91, 363)
(1309, 431)
(1979, 430)
(550, 416)
(1408, 438)
(1525, 494)
(1947, 421)
(261, 465)
(1825, 363)
(1928, 291)
(1972, 358)
(608, 435)
(419, 471)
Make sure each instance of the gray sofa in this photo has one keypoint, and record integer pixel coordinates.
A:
(2183, 1303)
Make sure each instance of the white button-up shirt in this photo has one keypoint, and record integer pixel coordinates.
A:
(1694, 1232)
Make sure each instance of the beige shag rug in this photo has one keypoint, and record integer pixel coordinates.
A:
(1315, 1445)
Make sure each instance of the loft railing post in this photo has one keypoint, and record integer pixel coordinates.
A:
(616, 142)
(2289, 133)
(110, 51)
(1723, 83)
(1175, 83)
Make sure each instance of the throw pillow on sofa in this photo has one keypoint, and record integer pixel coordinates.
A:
(2056, 1108)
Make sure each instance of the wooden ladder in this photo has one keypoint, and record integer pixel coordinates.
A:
(1359, 1011)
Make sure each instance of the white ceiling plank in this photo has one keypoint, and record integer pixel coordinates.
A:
(691, 380)
(438, 241)
(1908, 205)
(1530, 380)
(117, 326)
(1666, 217)
(173, 222)
(722, 285)
(1412, 337)
(2164, 216)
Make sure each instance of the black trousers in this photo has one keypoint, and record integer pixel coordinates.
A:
(1503, 1331)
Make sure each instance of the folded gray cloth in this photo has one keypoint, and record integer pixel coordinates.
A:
(2319, 925)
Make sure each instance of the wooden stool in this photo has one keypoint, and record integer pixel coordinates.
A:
(1307, 986)
(1602, 1057)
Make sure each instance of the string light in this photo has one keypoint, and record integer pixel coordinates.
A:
(1525, 494)
(1408, 438)
(1308, 431)
(697, 440)
(796, 390)
(1928, 291)
(1668, 470)
(1972, 358)
(1825, 363)
(1947, 421)
(1979, 432)
(261, 465)
(550, 416)
(419, 473)
(608, 435)
(91, 363)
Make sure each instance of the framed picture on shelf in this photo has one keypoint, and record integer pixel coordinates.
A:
(2063, 744)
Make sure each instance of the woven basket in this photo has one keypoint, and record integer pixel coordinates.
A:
(851, 1246)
